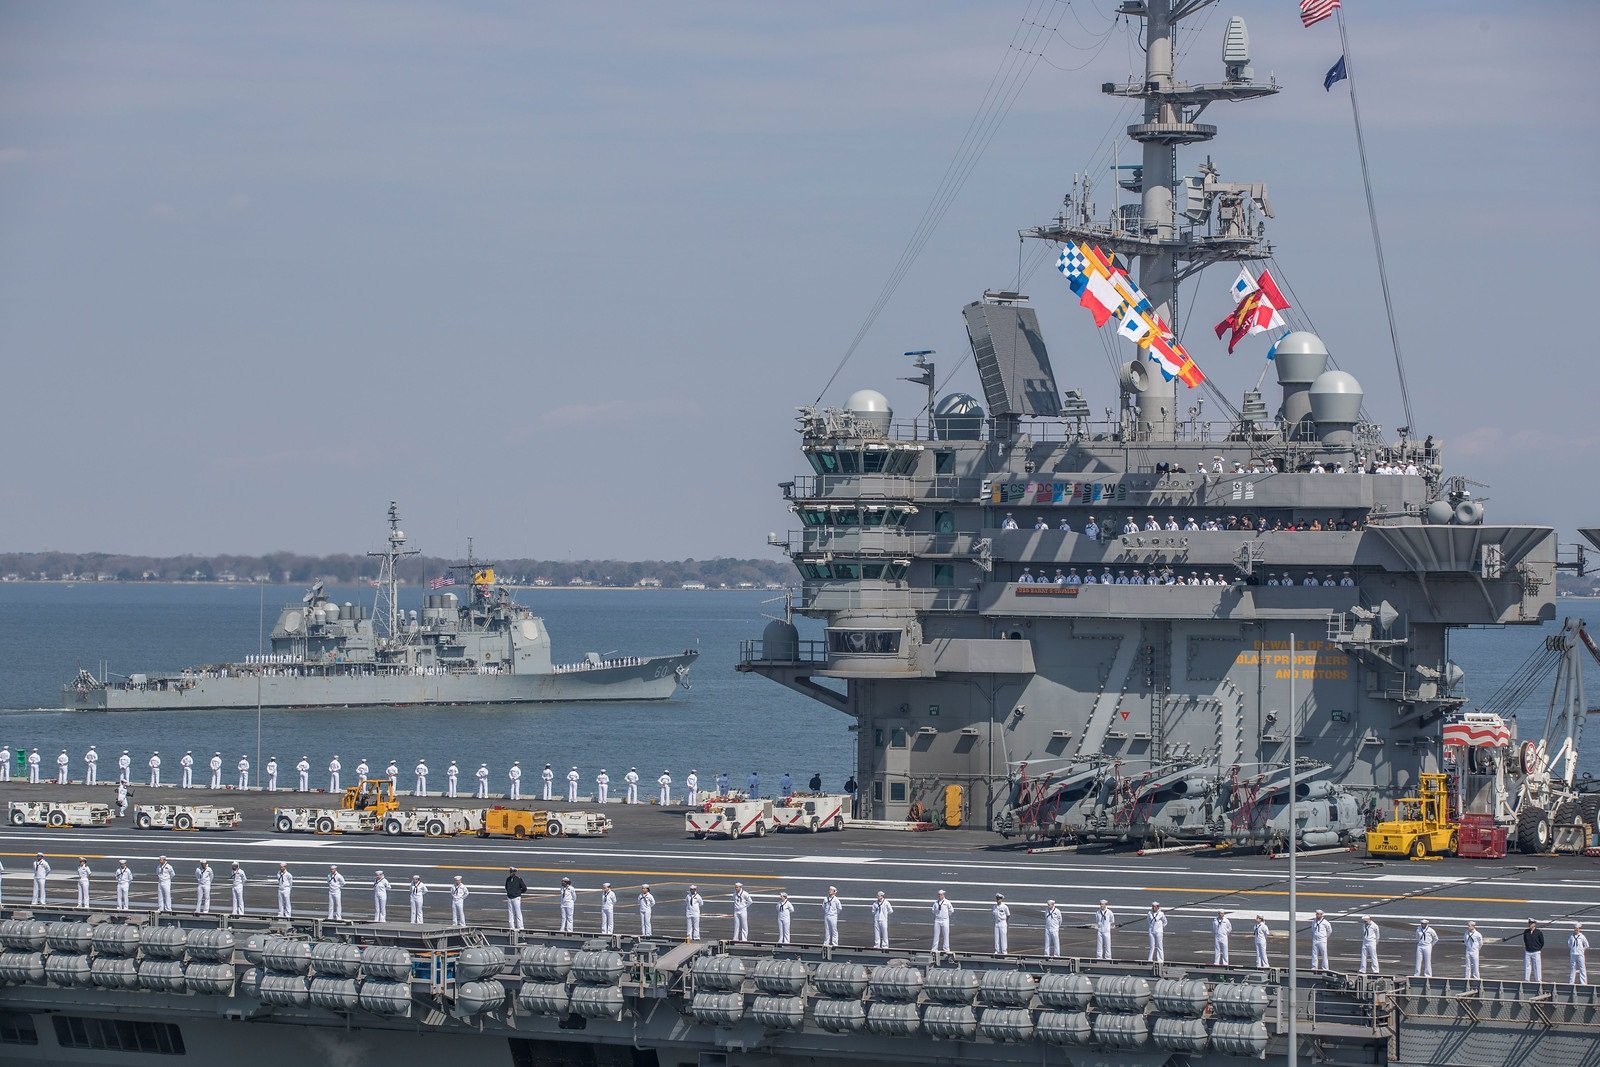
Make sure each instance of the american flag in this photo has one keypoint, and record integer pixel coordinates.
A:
(1314, 11)
(442, 581)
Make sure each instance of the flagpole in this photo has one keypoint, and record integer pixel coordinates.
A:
(1372, 217)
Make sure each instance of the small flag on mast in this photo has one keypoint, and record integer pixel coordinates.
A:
(1314, 11)
(1336, 73)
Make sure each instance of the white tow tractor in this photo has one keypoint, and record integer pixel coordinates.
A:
(731, 819)
(59, 813)
(185, 817)
(577, 824)
(813, 811)
(324, 821)
(433, 822)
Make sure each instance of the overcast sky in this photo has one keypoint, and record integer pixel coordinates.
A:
(556, 276)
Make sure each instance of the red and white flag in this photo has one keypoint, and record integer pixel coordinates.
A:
(1314, 11)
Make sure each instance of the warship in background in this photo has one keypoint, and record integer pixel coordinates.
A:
(485, 649)
(1136, 685)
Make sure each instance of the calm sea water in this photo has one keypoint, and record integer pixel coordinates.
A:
(727, 721)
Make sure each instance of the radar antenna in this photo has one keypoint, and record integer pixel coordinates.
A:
(386, 609)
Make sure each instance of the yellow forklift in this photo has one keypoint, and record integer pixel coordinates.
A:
(1421, 826)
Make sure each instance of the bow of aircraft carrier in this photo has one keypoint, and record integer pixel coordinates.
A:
(104, 985)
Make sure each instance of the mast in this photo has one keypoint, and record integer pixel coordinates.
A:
(1172, 234)
(386, 611)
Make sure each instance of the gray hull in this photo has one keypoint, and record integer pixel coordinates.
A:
(645, 679)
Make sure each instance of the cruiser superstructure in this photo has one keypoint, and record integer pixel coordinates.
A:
(482, 647)
(1094, 625)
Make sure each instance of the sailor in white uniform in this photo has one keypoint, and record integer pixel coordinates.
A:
(362, 770)
(335, 892)
(1261, 932)
(483, 781)
(632, 780)
(421, 772)
(1472, 949)
(83, 882)
(1156, 924)
(164, 876)
(380, 897)
(155, 769)
(881, 910)
(608, 908)
(393, 772)
(285, 891)
(514, 775)
(1105, 921)
(62, 765)
(569, 904)
(1427, 937)
(1577, 956)
(203, 877)
(691, 788)
(236, 883)
(1002, 923)
(1321, 930)
(419, 890)
(5, 763)
(942, 910)
(665, 781)
(124, 876)
(1052, 930)
(692, 902)
(304, 770)
(1369, 946)
(216, 770)
(1221, 929)
(547, 779)
(831, 907)
(602, 787)
(785, 917)
(572, 786)
(124, 765)
(243, 767)
(272, 774)
(452, 774)
(122, 799)
(458, 902)
(334, 767)
(186, 770)
(741, 912)
(647, 907)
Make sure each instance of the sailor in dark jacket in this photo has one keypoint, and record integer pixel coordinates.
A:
(515, 887)
(1532, 953)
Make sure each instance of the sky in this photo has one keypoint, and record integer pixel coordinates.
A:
(556, 276)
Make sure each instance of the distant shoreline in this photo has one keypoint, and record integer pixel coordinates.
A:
(405, 585)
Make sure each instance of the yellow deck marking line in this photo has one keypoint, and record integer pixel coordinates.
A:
(619, 873)
(1213, 891)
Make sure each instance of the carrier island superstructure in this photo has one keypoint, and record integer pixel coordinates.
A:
(481, 647)
(950, 557)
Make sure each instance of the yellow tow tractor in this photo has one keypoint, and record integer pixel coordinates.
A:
(1421, 825)
(516, 822)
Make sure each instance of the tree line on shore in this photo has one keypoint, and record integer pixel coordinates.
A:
(295, 569)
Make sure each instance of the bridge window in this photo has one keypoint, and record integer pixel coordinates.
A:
(903, 462)
(864, 642)
(845, 516)
(872, 516)
(897, 791)
(842, 569)
(824, 462)
(944, 575)
(17, 1028)
(118, 1035)
(815, 571)
(944, 461)
(944, 522)
(872, 461)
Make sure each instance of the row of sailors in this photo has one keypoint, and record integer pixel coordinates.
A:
(942, 911)
(692, 793)
(1093, 530)
(1168, 576)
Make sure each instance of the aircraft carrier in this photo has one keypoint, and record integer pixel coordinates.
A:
(97, 985)
(1093, 625)
(478, 648)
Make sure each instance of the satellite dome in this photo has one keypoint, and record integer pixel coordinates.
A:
(1299, 357)
(1336, 397)
(780, 641)
(958, 417)
(871, 409)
